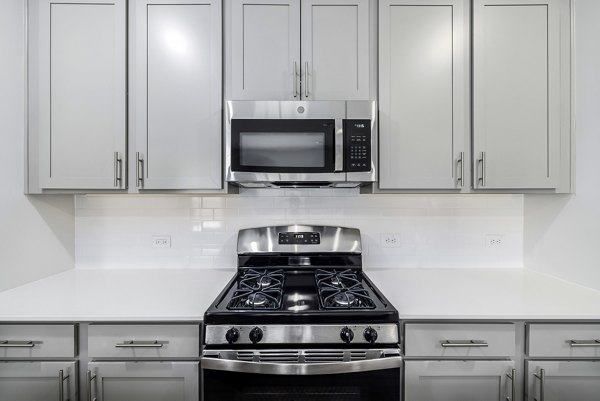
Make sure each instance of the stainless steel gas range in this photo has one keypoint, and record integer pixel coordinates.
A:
(301, 321)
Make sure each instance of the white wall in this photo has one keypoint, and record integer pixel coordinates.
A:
(434, 230)
(562, 233)
(36, 233)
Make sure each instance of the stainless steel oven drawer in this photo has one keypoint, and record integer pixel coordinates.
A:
(564, 340)
(144, 341)
(460, 340)
(37, 341)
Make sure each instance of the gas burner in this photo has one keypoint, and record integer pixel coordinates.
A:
(262, 280)
(243, 299)
(344, 299)
(342, 289)
(336, 279)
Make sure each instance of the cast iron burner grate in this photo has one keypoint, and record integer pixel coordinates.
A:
(258, 290)
(342, 290)
(262, 280)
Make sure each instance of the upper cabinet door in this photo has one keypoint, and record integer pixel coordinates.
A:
(423, 86)
(265, 46)
(517, 87)
(77, 75)
(176, 96)
(335, 49)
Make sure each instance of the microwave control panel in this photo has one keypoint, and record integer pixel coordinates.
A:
(357, 144)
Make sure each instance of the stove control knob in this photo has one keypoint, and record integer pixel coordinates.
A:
(256, 334)
(232, 335)
(370, 334)
(346, 335)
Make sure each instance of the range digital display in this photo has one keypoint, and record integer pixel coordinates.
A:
(308, 238)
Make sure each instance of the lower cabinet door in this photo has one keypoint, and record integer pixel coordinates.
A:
(563, 380)
(459, 381)
(38, 381)
(143, 381)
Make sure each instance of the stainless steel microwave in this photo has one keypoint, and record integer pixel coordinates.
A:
(300, 143)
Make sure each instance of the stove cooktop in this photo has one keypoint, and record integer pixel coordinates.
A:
(315, 295)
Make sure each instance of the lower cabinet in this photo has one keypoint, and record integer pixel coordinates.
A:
(38, 381)
(143, 381)
(459, 381)
(563, 380)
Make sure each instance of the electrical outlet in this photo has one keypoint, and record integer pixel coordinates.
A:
(494, 240)
(391, 240)
(161, 241)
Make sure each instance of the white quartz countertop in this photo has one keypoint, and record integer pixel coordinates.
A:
(184, 295)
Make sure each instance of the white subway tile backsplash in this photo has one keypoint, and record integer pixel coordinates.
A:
(434, 230)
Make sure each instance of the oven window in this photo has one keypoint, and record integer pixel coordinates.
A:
(283, 146)
(282, 149)
(381, 385)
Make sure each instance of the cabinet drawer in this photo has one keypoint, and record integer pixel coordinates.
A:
(37, 341)
(578, 340)
(144, 341)
(460, 340)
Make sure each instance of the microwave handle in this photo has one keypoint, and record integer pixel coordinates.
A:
(339, 145)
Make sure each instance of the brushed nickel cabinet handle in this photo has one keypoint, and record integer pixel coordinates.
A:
(460, 180)
(16, 344)
(584, 343)
(61, 379)
(140, 344)
(89, 378)
(118, 169)
(513, 377)
(296, 79)
(306, 80)
(542, 377)
(139, 170)
(481, 161)
(464, 344)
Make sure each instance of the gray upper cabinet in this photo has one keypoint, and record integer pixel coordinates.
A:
(520, 91)
(143, 381)
(38, 381)
(563, 380)
(423, 94)
(175, 105)
(275, 56)
(459, 381)
(265, 49)
(335, 49)
(77, 92)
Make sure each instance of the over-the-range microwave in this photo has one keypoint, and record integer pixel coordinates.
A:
(300, 143)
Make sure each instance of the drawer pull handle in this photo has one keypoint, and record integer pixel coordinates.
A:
(140, 344)
(16, 344)
(464, 344)
(542, 377)
(584, 343)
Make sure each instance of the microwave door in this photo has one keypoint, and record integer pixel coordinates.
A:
(284, 146)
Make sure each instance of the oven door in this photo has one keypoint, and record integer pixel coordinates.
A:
(274, 378)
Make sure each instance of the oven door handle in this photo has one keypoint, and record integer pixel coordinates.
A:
(288, 369)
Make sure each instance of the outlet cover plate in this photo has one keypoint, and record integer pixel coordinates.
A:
(161, 241)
